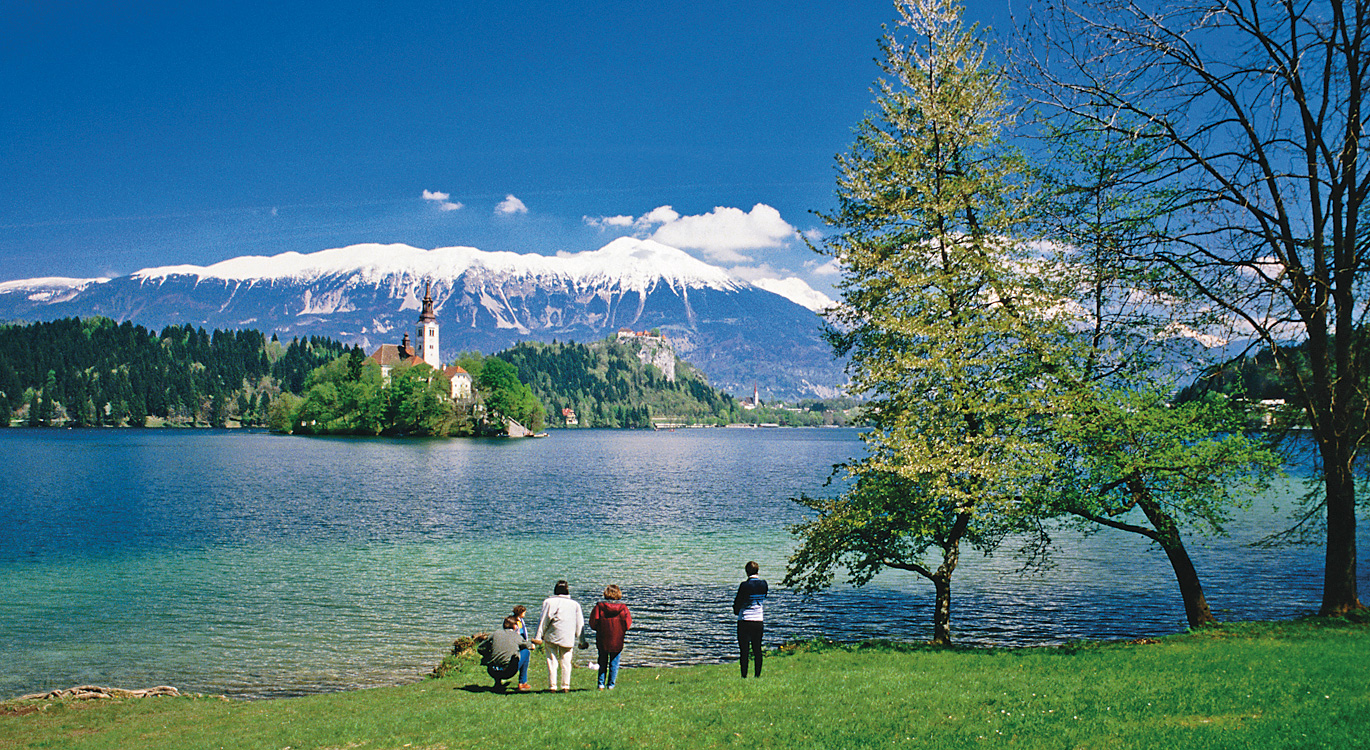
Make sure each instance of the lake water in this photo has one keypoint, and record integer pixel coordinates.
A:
(259, 565)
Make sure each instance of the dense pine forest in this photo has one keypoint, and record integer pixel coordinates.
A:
(93, 372)
(97, 372)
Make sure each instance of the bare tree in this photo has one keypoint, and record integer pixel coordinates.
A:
(1252, 113)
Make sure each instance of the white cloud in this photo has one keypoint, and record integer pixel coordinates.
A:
(831, 268)
(442, 199)
(723, 232)
(511, 205)
(1268, 267)
(658, 215)
(721, 235)
(797, 291)
(608, 221)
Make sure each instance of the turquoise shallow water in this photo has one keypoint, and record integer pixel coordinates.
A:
(259, 565)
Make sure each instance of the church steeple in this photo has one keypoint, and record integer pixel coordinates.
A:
(427, 314)
(427, 330)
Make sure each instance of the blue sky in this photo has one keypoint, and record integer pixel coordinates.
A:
(146, 133)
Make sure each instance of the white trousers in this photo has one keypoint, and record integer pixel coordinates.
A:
(558, 656)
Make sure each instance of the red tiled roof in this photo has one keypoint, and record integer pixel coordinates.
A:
(390, 355)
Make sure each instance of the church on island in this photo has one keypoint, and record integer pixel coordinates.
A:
(390, 356)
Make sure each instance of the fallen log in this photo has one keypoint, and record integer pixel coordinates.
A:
(96, 692)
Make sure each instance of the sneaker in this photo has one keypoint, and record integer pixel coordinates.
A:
(524, 687)
(601, 687)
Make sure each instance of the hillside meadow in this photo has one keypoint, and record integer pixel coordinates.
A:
(1248, 685)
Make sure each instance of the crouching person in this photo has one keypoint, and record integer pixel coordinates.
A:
(502, 661)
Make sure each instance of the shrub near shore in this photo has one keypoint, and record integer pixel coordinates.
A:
(1298, 684)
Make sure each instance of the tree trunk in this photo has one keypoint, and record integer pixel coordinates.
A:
(1168, 536)
(941, 615)
(941, 580)
(1339, 594)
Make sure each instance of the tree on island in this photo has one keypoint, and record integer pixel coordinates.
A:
(349, 396)
(943, 319)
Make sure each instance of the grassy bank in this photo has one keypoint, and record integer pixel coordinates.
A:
(1257, 685)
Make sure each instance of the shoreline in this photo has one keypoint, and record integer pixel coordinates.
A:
(459, 662)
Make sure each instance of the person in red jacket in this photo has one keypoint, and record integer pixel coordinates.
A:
(610, 620)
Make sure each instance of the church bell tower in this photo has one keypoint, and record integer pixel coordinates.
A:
(427, 330)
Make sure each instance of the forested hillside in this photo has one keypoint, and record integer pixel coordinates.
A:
(74, 372)
(606, 385)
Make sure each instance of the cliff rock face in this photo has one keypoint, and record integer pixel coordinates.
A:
(735, 332)
(652, 350)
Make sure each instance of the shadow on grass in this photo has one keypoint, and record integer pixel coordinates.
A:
(509, 690)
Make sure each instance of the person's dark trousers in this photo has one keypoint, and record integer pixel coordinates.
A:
(500, 674)
(749, 634)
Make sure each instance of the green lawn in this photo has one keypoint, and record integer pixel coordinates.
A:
(1256, 685)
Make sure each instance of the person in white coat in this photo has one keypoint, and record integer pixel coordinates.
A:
(558, 629)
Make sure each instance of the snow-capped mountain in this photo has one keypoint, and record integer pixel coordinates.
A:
(738, 333)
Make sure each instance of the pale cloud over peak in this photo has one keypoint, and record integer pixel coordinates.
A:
(511, 205)
(660, 215)
(608, 221)
(797, 291)
(721, 234)
(783, 283)
(441, 199)
(830, 268)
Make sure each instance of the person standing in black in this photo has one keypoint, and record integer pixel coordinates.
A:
(751, 625)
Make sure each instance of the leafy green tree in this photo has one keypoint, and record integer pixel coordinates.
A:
(472, 362)
(1183, 467)
(506, 396)
(943, 318)
(337, 403)
(218, 410)
(281, 416)
(46, 409)
(419, 401)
